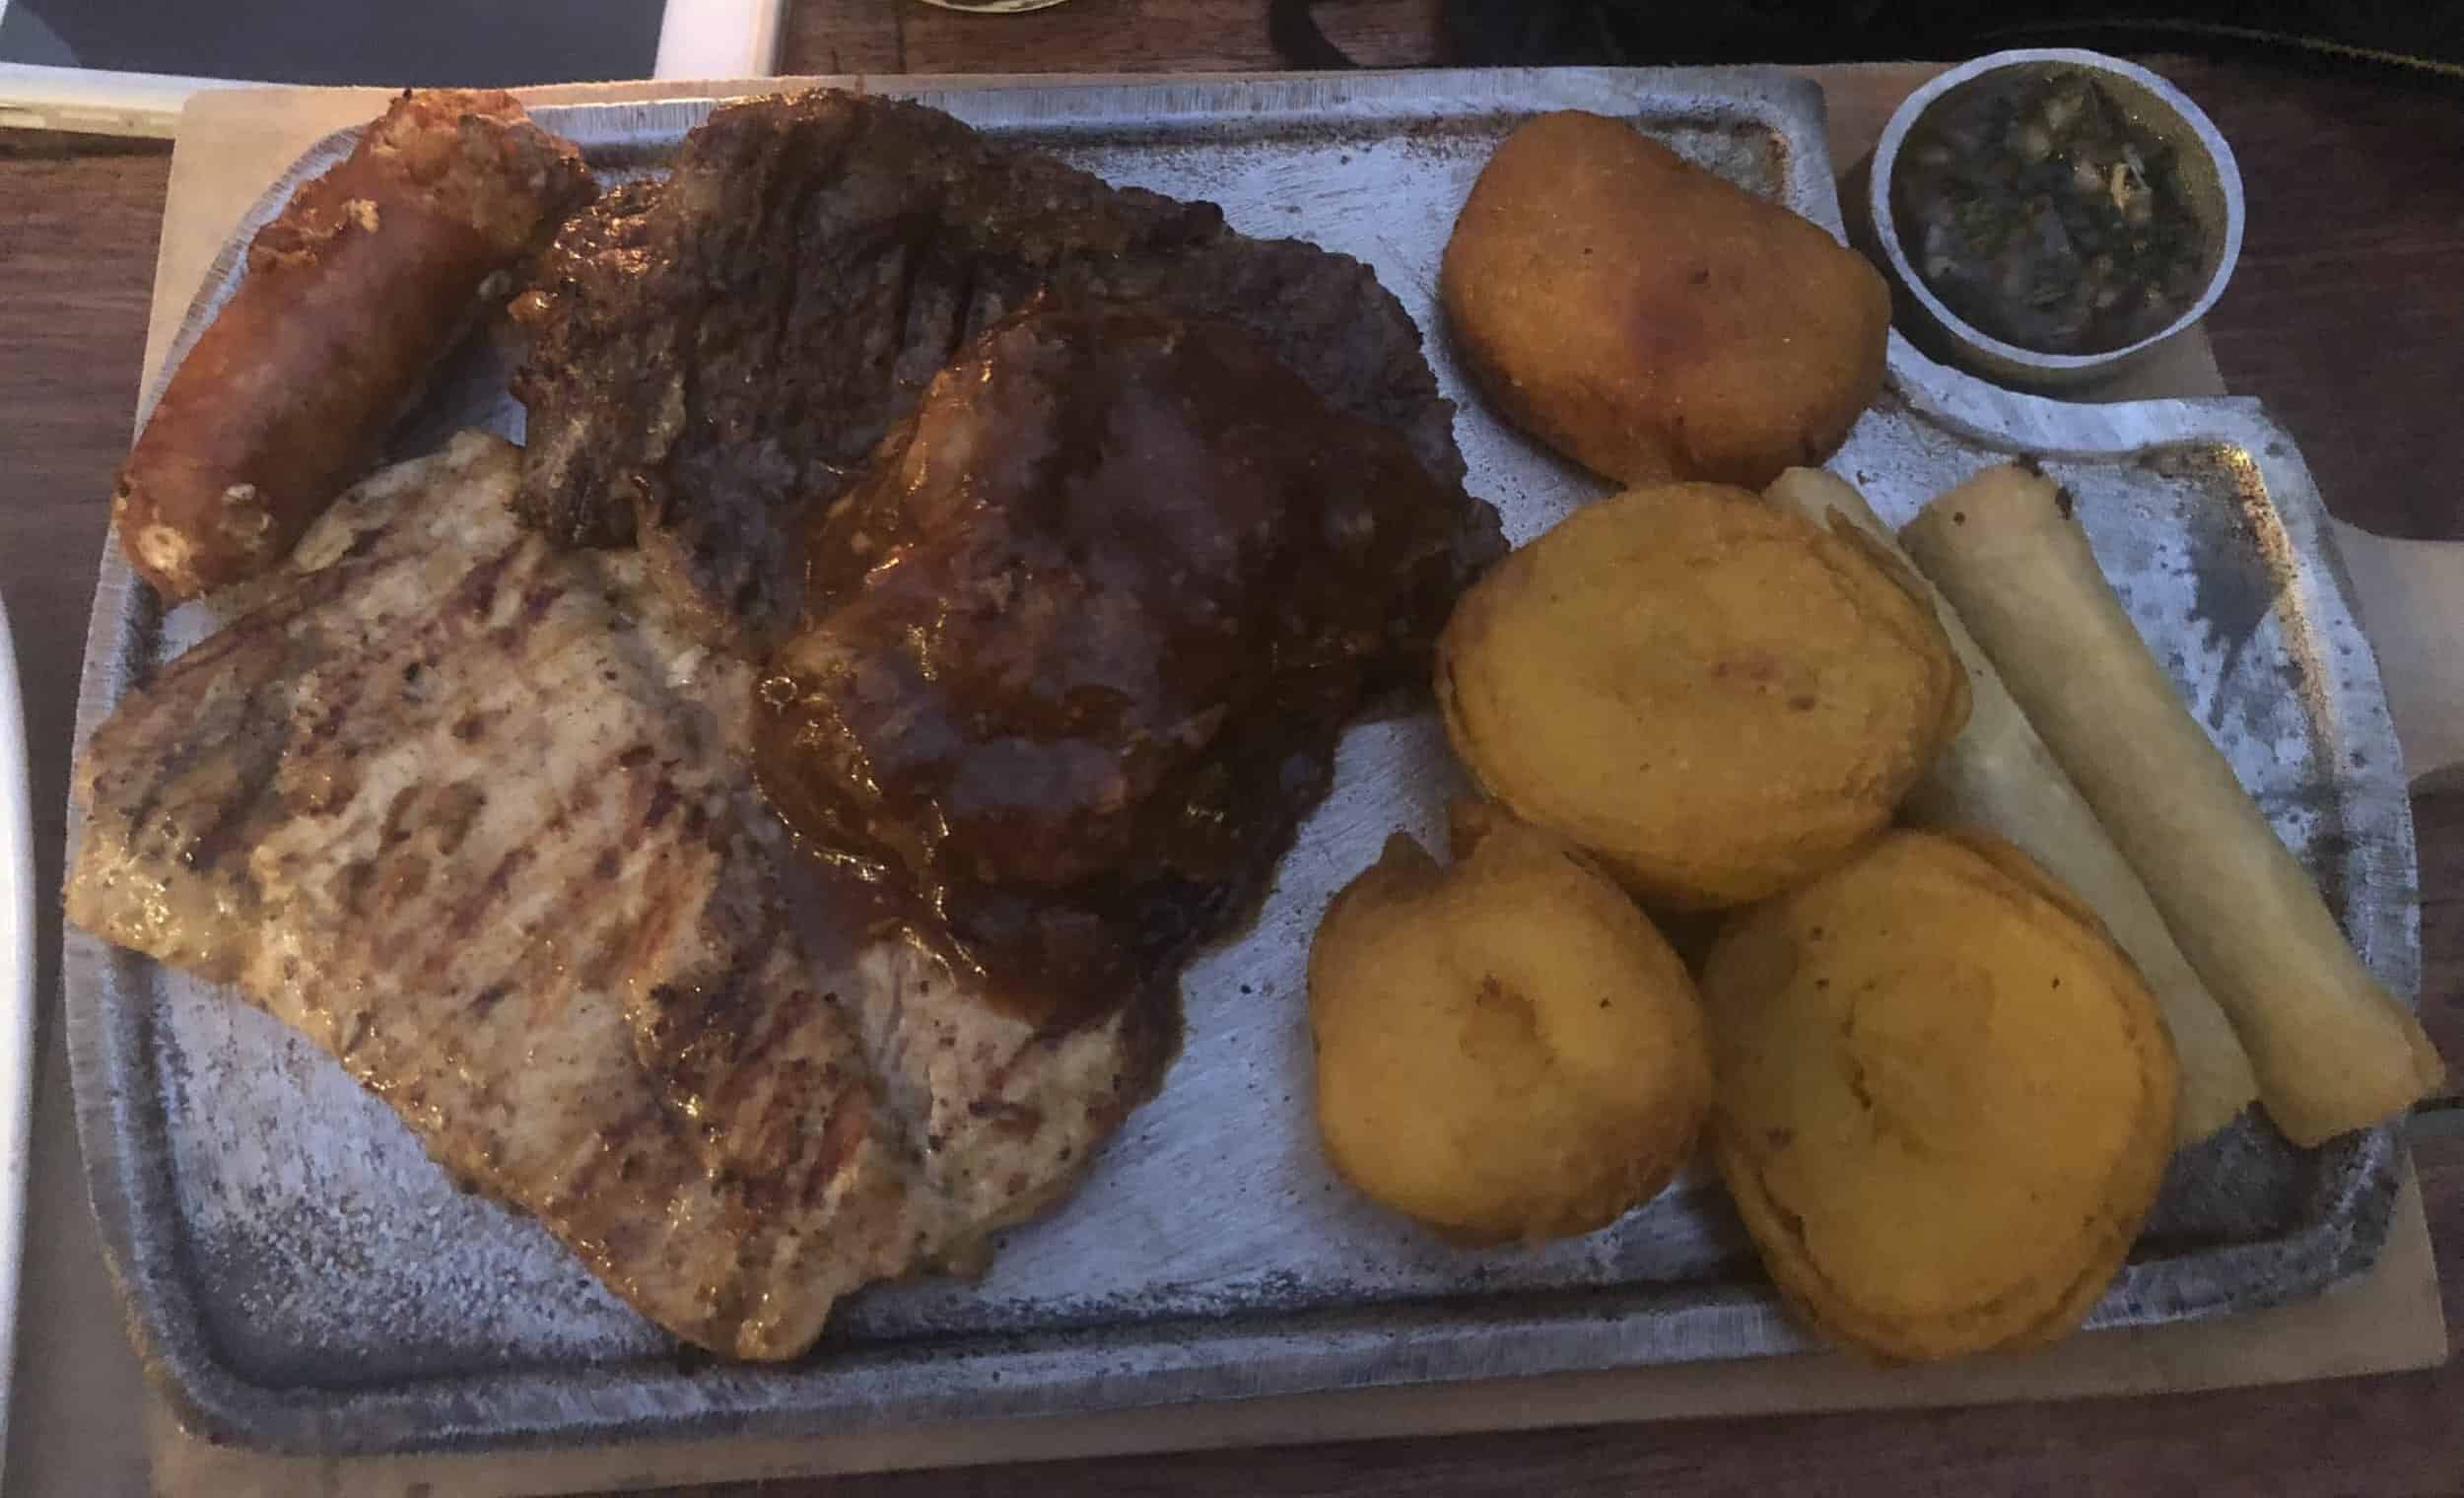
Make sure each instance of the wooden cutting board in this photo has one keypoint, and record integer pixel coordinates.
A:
(230, 144)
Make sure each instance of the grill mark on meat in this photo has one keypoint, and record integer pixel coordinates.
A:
(841, 1134)
(625, 1161)
(483, 905)
(538, 600)
(662, 800)
(362, 544)
(398, 814)
(479, 589)
(542, 973)
(163, 772)
(223, 833)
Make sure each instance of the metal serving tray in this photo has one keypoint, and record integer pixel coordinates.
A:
(301, 1277)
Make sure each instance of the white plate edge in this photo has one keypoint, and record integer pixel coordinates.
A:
(17, 1004)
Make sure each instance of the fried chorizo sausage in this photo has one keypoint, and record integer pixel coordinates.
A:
(369, 277)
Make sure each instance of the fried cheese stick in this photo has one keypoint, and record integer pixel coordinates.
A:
(2332, 1049)
(1999, 775)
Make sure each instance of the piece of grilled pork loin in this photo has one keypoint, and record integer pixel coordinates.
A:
(467, 809)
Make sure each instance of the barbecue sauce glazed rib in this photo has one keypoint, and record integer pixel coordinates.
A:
(1078, 644)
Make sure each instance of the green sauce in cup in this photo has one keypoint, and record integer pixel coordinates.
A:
(2043, 216)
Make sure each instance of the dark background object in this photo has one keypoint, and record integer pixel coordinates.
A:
(2421, 35)
(479, 43)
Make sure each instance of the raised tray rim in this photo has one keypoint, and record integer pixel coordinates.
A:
(1153, 1362)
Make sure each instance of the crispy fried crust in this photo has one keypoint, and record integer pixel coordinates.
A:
(1945, 1098)
(1506, 1048)
(1717, 699)
(1651, 320)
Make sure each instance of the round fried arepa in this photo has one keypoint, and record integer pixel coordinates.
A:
(1717, 698)
(1945, 1097)
(1506, 1049)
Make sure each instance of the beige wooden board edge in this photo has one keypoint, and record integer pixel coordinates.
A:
(2383, 1321)
(231, 143)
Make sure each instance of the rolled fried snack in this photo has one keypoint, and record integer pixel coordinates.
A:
(1998, 774)
(2333, 1052)
(368, 278)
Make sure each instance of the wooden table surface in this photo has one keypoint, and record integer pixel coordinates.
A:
(2345, 318)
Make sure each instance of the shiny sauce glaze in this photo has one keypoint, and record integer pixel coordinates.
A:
(1077, 645)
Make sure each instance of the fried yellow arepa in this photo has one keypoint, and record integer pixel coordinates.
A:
(1944, 1099)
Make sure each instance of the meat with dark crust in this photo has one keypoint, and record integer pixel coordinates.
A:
(712, 357)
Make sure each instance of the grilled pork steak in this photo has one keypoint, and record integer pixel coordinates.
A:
(712, 355)
(470, 810)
